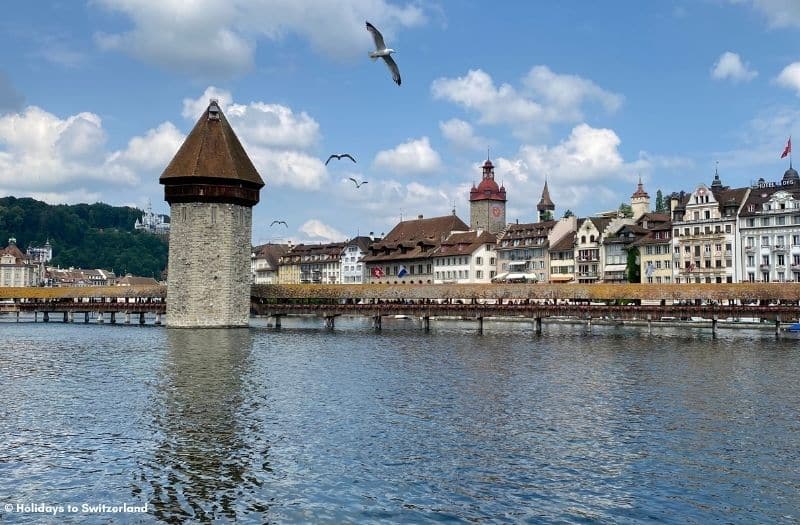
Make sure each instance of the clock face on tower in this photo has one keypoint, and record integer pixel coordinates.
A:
(496, 211)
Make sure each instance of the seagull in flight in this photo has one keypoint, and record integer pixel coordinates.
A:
(358, 184)
(339, 157)
(381, 51)
(278, 222)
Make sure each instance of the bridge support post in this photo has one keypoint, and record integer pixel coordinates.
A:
(330, 322)
(778, 326)
(100, 319)
(589, 324)
(46, 317)
(714, 327)
(66, 317)
(35, 316)
(127, 317)
(158, 319)
(537, 324)
(277, 321)
(141, 317)
(17, 315)
(85, 317)
(113, 317)
(426, 323)
(480, 325)
(649, 324)
(376, 322)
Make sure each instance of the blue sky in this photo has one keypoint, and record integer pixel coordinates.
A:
(96, 97)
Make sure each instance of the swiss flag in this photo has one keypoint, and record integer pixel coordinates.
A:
(787, 149)
(377, 272)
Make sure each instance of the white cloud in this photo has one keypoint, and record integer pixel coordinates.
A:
(318, 230)
(545, 98)
(412, 157)
(779, 13)
(730, 66)
(461, 135)
(495, 105)
(64, 160)
(288, 168)
(194, 107)
(563, 95)
(217, 38)
(790, 77)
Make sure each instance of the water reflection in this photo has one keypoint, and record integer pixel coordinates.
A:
(208, 461)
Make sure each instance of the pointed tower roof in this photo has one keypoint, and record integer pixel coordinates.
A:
(545, 203)
(717, 184)
(640, 190)
(212, 157)
(488, 188)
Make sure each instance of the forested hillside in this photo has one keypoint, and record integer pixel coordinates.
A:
(84, 235)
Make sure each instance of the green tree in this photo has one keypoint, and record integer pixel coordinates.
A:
(632, 270)
(626, 210)
(547, 216)
(660, 204)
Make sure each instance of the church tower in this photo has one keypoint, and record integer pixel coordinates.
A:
(546, 206)
(640, 201)
(211, 186)
(487, 203)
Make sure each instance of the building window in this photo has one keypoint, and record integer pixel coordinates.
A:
(706, 214)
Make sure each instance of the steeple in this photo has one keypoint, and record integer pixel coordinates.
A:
(640, 190)
(640, 201)
(545, 203)
(717, 184)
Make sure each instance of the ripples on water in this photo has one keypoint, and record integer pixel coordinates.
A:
(304, 425)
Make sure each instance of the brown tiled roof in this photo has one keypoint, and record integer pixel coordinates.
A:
(212, 150)
(653, 217)
(464, 243)
(545, 203)
(132, 280)
(567, 242)
(529, 230)
(271, 252)
(414, 239)
(14, 251)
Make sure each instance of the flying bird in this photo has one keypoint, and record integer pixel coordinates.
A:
(381, 51)
(358, 184)
(339, 157)
(278, 222)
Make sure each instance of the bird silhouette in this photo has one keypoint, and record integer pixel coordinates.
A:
(339, 156)
(278, 222)
(358, 184)
(381, 51)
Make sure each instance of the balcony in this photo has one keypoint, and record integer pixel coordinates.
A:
(795, 267)
(780, 248)
(586, 275)
(750, 249)
(764, 267)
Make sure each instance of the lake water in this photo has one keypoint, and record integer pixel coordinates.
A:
(304, 425)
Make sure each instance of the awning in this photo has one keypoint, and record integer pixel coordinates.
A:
(526, 276)
(560, 277)
(615, 267)
(517, 263)
(500, 276)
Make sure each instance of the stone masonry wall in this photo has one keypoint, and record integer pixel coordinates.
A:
(209, 265)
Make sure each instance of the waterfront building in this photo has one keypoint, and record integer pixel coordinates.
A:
(78, 277)
(769, 226)
(312, 264)
(655, 249)
(16, 268)
(705, 233)
(211, 186)
(264, 262)
(154, 223)
(588, 244)
(289, 266)
(522, 251)
(353, 270)
(487, 203)
(405, 255)
(616, 244)
(562, 257)
(465, 257)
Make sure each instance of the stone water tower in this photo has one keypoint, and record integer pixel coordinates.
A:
(211, 186)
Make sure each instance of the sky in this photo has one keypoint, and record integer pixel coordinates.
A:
(97, 96)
